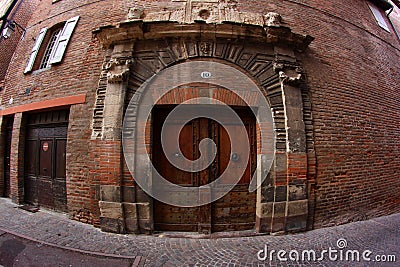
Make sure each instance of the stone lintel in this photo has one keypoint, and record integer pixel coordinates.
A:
(140, 30)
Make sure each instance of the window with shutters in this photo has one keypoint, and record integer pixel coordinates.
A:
(50, 45)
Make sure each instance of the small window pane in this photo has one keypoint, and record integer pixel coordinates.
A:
(46, 57)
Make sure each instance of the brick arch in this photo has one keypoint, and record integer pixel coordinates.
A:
(190, 91)
(282, 203)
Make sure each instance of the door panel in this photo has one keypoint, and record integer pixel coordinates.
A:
(167, 217)
(30, 183)
(172, 173)
(225, 155)
(45, 192)
(60, 159)
(59, 183)
(237, 209)
(45, 158)
(45, 181)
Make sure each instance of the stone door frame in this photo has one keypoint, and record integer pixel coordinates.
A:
(136, 50)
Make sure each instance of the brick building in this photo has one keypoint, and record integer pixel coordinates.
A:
(329, 71)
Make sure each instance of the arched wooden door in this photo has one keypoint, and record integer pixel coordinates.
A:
(236, 210)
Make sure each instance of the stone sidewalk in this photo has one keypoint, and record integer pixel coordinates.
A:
(381, 236)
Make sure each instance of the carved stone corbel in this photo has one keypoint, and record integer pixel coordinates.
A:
(118, 69)
(289, 74)
(272, 19)
(135, 13)
(290, 79)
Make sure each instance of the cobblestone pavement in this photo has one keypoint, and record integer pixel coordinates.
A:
(381, 236)
(19, 252)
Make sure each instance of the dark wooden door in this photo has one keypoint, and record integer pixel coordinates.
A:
(7, 155)
(45, 162)
(235, 211)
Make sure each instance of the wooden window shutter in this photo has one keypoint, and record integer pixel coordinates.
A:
(35, 50)
(63, 39)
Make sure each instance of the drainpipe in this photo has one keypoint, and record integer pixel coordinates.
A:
(391, 23)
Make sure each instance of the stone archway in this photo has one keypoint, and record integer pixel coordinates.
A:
(264, 53)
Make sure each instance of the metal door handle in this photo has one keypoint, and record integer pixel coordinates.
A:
(45, 169)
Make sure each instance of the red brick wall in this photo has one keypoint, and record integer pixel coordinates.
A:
(353, 71)
(353, 75)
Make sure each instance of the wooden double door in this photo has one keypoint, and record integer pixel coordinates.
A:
(237, 209)
(45, 160)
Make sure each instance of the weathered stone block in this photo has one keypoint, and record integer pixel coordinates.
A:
(297, 192)
(268, 194)
(279, 209)
(128, 193)
(280, 169)
(282, 53)
(112, 225)
(110, 193)
(141, 196)
(280, 163)
(145, 226)
(266, 170)
(123, 49)
(296, 223)
(298, 208)
(131, 222)
(111, 210)
(144, 211)
(130, 210)
(265, 210)
(278, 224)
(263, 225)
(280, 193)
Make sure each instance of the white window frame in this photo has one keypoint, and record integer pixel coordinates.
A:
(379, 17)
